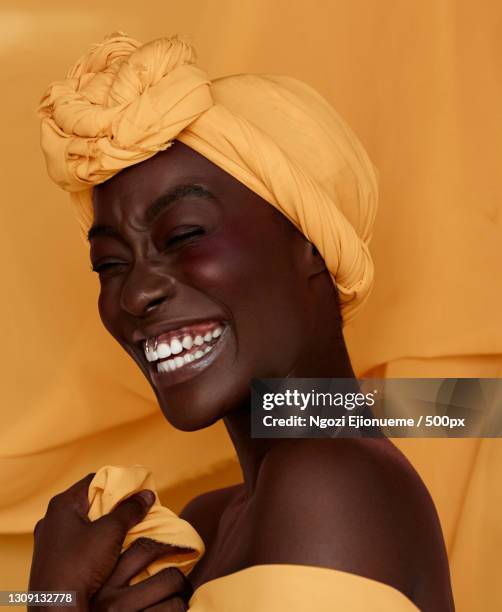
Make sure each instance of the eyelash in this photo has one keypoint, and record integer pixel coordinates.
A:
(103, 267)
(196, 231)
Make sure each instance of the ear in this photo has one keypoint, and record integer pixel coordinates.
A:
(312, 262)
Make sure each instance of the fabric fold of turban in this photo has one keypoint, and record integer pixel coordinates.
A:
(123, 102)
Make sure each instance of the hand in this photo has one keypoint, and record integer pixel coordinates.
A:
(72, 553)
(166, 591)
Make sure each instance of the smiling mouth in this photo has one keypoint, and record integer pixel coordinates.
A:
(182, 348)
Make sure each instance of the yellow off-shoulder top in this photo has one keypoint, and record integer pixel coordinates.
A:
(259, 588)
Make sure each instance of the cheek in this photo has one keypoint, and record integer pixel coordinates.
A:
(215, 264)
(107, 308)
(257, 283)
(241, 271)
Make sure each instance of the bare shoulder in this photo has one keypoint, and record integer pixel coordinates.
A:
(355, 505)
(205, 510)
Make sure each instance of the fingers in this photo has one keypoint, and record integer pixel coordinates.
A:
(167, 583)
(80, 493)
(71, 549)
(83, 483)
(74, 498)
(128, 513)
(38, 527)
(139, 555)
(168, 588)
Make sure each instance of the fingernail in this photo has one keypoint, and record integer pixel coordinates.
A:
(148, 496)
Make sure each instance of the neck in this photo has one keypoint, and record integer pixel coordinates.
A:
(252, 452)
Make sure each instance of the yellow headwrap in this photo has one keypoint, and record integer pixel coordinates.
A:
(123, 102)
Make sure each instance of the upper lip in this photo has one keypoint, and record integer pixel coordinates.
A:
(139, 336)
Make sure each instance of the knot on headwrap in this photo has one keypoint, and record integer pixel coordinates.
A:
(119, 105)
(123, 102)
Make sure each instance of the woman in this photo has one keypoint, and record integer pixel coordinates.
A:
(228, 222)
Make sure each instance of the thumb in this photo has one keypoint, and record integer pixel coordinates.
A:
(129, 512)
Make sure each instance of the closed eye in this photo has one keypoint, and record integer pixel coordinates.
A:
(106, 266)
(177, 238)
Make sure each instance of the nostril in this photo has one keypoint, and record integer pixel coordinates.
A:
(146, 289)
(154, 303)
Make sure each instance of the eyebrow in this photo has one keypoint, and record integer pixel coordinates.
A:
(178, 193)
(157, 206)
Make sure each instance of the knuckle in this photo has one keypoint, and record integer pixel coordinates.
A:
(38, 527)
(55, 503)
(83, 483)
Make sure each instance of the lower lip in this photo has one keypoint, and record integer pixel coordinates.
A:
(191, 369)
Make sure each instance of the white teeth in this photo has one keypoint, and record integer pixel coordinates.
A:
(187, 342)
(176, 346)
(163, 350)
(173, 364)
(162, 367)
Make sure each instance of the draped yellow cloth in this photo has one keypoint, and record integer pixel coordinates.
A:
(420, 84)
(259, 588)
(297, 588)
(112, 484)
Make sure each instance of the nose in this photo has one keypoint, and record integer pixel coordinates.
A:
(146, 288)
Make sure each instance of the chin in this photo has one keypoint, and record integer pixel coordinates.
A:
(196, 386)
(199, 399)
(190, 407)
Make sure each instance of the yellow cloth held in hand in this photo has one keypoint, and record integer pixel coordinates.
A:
(113, 484)
(278, 587)
(123, 102)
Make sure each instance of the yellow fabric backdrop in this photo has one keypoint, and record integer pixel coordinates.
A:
(419, 82)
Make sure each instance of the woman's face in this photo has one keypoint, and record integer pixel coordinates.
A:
(203, 283)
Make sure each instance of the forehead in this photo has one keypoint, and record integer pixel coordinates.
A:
(132, 191)
(126, 200)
